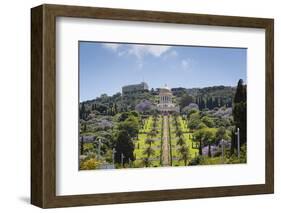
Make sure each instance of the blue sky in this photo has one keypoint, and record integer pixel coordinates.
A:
(106, 67)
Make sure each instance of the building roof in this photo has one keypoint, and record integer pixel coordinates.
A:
(165, 89)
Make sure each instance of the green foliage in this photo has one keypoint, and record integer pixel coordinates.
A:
(194, 120)
(207, 137)
(206, 118)
(195, 161)
(240, 111)
(149, 141)
(83, 112)
(123, 116)
(209, 122)
(152, 133)
(243, 156)
(82, 146)
(181, 141)
(240, 95)
(201, 126)
(185, 100)
(146, 162)
(179, 133)
(222, 133)
(131, 125)
(89, 164)
(184, 152)
(149, 151)
(124, 145)
(88, 147)
(191, 112)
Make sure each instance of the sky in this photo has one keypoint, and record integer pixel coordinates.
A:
(105, 67)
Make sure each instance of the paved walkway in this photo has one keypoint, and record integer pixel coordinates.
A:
(166, 145)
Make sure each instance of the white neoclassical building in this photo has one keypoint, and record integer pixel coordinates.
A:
(166, 101)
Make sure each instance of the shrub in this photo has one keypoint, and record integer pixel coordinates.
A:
(89, 164)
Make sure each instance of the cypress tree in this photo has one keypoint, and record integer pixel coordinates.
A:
(82, 146)
(82, 111)
(216, 102)
(240, 95)
(240, 111)
(203, 104)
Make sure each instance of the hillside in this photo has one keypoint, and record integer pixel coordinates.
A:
(207, 97)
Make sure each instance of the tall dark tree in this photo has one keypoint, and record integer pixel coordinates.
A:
(185, 100)
(199, 136)
(82, 146)
(124, 147)
(210, 103)
(82, 112)
(240, 95)
(93, 106)
(184, 153)
(115, 109)
(216, 102)
(240, 111)
(202, 104)
(233, 142)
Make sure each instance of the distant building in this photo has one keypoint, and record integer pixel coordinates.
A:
(134, 88)
(166, 101)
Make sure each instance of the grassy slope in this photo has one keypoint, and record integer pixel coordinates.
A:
(141, 145)
(188, 138)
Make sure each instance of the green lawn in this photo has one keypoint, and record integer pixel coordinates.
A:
(140, 144)
(188, 139)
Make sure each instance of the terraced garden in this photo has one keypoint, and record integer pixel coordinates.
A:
(149, 144)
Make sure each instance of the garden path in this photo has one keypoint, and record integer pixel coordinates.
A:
(165, 144)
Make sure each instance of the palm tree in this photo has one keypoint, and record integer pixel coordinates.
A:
(149, 151)
(149, 141)
(209, 138)
(152, 133)
(181, 141)
(146, 162)
(179, 133)
(221, 134)
(154, 129)
(199, 135)
(153, 124)
(184, 152)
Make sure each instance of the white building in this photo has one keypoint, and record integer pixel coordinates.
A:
(166, 101)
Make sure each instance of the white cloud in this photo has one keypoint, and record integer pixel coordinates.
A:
(112, 46)
(139, 51)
